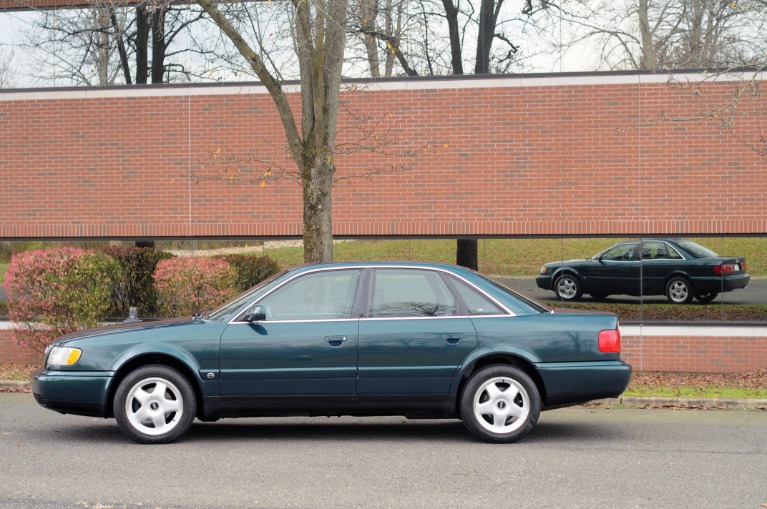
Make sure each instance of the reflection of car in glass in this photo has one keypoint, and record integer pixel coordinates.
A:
(678, 269)
(420, 340)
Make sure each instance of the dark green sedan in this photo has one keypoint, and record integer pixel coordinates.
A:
(679, 269)
(413, 339)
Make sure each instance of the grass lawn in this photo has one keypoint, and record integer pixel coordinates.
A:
(511, 257)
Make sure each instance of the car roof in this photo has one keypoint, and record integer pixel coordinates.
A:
(373, 264)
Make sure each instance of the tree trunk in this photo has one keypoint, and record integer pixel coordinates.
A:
(318, 225)
(649, 59)
(158, 44)
(451, 14)
(142, 42)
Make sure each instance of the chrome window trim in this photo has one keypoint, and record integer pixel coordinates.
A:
(669, 246)
(300, 321)
(235, 320)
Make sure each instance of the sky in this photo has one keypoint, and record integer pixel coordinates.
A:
(11, 24)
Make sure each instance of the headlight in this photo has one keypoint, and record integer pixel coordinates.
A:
(63, 356)
(543, 270)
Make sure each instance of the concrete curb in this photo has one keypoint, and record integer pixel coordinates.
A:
(14, 386)
(699, 403)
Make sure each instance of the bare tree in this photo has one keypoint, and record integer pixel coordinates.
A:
(107, 43)
(6, 71)
(320, 30)
(655, 34)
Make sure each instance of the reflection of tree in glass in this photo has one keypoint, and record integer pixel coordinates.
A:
(405, 309)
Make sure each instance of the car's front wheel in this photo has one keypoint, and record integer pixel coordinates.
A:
(500, 404)
(154, 405)
(678, 291)
(568, 287)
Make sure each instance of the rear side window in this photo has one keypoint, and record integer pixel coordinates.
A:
(475, 301)
(405, 293)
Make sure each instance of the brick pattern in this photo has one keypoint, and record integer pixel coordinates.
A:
(695, 354)
(472, 157)
(645, 353)
(11, 353)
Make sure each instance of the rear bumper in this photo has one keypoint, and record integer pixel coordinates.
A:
(570, 383)
(719, 284)
(80, 393)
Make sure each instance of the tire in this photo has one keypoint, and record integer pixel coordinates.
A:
(500, 404)
(568, 287)
(706, 297)
(679, 291)
(154, 405)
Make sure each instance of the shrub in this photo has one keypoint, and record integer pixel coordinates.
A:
(250, 269)
(135, 286)
(192, 285)
(58, 291)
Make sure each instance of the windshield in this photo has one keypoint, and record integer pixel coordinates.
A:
(239, 301)
(696, 250)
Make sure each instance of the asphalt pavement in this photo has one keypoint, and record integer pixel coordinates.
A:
(574, 458)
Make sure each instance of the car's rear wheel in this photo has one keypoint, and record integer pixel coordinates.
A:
(500, 404)
(678, 291)
(706, 297)
(154, 405)
(568, 287)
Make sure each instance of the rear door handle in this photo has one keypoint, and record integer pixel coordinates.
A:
(452, 339)
(335, 340)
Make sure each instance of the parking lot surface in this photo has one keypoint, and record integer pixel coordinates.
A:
(577, 457)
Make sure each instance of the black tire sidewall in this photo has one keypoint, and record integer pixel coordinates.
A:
(708, 297)
(479, 379)
(155, 371)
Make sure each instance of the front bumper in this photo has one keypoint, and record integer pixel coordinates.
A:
(78, 393)
(544, 281)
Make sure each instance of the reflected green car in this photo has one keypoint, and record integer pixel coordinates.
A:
(413, 339)
(682, 270)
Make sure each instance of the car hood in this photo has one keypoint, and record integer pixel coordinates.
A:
(123, 328)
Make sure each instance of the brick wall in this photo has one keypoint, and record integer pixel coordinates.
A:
(10, 353)
(679, 349)
(528, 155)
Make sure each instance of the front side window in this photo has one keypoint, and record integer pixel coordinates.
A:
(405, 293)
(325, 295)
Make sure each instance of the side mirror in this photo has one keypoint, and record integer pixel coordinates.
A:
(255, 314)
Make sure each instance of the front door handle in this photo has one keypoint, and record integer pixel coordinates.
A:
(335, 340)
(452, 339)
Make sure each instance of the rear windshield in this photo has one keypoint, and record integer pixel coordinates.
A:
(696, 250)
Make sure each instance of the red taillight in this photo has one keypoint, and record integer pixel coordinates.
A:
(610, 341)
(725, 268)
